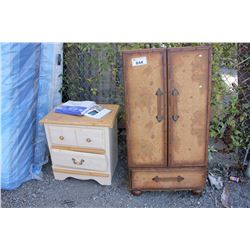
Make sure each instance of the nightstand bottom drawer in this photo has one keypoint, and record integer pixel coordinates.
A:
(79, 160)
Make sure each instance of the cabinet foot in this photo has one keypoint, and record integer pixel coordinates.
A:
(197, 192)
(136, 192)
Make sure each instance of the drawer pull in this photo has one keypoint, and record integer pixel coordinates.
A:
(164, 179)
(88, 140)
(61, 138)
(77, 162)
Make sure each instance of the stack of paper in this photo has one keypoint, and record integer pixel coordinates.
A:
(87, 108)
(75, 108)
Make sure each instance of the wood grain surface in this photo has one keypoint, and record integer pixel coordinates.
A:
(106, 121)
(79, 172)
(178, 179)
(145, 135)
(77, 149)
(188, 73)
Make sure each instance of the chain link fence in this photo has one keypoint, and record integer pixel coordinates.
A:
(94, 72)
(243, 70)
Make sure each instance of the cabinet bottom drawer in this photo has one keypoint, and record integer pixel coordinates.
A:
(171, 179)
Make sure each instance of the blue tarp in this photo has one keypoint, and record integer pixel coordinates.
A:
(30, 83)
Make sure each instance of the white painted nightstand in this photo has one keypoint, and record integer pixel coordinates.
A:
(82, 147)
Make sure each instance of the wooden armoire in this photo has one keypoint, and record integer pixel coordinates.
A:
(167, 104)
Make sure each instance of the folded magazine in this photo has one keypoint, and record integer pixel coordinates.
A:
(81, 108)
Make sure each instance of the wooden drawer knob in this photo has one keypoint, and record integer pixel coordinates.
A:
(61, 138)
(88, 140)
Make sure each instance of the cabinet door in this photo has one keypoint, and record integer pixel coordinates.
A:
(145, 76)
(189, 97)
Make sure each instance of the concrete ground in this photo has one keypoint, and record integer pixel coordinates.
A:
(49, 192)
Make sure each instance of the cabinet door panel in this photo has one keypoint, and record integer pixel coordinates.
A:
(145, 130)
(189, 97)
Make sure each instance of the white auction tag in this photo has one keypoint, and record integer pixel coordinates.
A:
(139, 61)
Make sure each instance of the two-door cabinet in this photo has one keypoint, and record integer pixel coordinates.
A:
(167, 96)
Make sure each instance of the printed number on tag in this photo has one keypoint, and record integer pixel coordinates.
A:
(139, 61)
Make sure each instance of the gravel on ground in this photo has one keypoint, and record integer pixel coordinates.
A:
(49, 192)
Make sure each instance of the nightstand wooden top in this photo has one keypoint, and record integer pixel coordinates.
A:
(63, 119)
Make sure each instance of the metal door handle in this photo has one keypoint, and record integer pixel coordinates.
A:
(77, 162)
(175, 93)
(165, 179)
(175, 117)
(159, 93)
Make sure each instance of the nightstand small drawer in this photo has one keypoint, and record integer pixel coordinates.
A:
(90, 138)
(79, 160)
(62, 135)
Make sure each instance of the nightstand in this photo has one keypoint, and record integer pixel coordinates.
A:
(81, 147)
